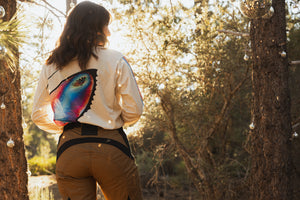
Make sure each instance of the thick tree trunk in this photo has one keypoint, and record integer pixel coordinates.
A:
(13, 176)
(269, 139)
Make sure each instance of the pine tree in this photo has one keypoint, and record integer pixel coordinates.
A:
(13, 185)
(271, 129)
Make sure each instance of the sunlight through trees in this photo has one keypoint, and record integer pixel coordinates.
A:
(220, 88)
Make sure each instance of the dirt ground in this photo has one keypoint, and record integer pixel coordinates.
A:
(46, 181)
(49, 181)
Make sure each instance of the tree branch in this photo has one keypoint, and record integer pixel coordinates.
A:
(57, 10)
(227, 102)
(295, 62)
(235, 33)
(45, 6)
(195, 173)
(296, 123)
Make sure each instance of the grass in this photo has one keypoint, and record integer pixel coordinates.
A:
(39, 165)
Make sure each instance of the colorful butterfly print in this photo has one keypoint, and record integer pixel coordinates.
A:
(73, 96)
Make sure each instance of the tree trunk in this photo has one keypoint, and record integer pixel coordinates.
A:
(269, 139)
(13, 176)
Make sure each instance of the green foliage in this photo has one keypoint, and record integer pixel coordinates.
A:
(157, 163)
(12, 35)
(32, 58)
(188, 71)
(39, 165)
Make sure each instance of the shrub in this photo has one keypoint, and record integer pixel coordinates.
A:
(39, 165)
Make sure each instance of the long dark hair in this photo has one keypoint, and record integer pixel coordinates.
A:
(82, 33)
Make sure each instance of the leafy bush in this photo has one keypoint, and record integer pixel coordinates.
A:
(39, 165)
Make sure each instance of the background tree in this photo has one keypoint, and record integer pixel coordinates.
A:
(269, 139)
(201, 106)
(40, 146)
(192, 63)
(294, 81)
(13, 163)
(191, 76)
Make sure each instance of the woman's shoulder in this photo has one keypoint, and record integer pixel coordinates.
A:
(49, 69)
(109, 53)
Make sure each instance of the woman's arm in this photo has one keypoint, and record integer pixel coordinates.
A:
(131, 99)
(42, 113)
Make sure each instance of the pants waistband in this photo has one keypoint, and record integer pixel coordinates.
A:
(87, 130)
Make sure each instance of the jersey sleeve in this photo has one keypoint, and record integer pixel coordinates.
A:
(131, 101)
(42, 113)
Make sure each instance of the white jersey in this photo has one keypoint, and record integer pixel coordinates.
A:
(105, 94)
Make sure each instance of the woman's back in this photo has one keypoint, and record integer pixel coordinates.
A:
(93, 95)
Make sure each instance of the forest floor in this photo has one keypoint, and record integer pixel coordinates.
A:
(47, 183)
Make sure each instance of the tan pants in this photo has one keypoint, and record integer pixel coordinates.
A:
(81, 166)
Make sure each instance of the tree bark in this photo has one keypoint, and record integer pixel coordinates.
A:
(269, 139)
(13, 176)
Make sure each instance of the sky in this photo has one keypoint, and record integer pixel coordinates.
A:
(61, 3)
(116, 41)
(115, 37)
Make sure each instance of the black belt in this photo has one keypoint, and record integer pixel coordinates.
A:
(88, 129)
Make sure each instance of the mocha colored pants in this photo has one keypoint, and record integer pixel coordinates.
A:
(83, 164)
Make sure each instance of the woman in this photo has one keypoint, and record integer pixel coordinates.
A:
(88, 93)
